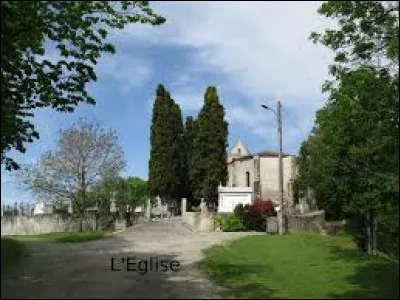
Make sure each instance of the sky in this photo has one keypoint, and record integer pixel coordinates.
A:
(253, 52)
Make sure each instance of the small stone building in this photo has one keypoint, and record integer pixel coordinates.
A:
(260, 171)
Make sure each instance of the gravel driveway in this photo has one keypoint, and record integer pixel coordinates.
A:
(83, 270)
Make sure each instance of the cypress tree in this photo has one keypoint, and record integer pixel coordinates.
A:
(167, 159)
(177, 156)
(189, 146)
(159, 143)
(209, 167)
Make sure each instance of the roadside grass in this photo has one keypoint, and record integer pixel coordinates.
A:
(300, 266)
(12, 252)
(13, 247)
(63, 237)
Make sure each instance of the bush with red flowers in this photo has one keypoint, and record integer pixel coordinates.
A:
(254, 216)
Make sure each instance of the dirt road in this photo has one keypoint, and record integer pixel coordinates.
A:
(84, 270)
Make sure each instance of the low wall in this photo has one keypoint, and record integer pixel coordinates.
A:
(309, 222)
(199, 221)
(39, 224)
(335, 227)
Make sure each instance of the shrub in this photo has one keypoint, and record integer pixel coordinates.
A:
(231, 223)
(264, 207)
(217, 222)
(239, 211)
(254, 216)
(253, 220)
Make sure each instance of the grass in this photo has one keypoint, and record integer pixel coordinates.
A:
(13, 248)
(12, 252)
(300, 266)
(63, 237)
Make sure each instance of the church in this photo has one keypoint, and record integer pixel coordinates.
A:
(260, 172)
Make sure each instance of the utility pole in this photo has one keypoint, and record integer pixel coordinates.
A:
(278, 114)
(280, 215)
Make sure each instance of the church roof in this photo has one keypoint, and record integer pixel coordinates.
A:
(264, 153)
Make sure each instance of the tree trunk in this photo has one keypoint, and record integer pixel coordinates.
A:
(374, 233)
(80, 223)
(369, 236)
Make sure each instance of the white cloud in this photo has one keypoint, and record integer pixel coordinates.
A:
(129, 70)
(261, 48)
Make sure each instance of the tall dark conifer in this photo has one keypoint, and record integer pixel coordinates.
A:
(167, 159)
(209, 167)
(158, 163)
(189, 146)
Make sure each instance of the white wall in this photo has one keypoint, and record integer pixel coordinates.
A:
(229, 197)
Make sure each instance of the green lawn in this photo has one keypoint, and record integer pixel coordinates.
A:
(300, 266)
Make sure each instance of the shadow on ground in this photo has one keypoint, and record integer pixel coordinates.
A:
(374, 278)
(84, 271)
(346, 274)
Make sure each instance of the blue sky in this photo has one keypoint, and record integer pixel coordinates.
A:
(253, 52)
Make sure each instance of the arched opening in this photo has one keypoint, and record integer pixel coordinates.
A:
(239, 151)
(248, 179)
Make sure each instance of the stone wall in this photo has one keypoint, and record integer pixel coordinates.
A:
(199, 221)
(309, 222)
(39, 224)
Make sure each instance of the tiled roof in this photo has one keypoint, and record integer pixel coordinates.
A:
(264, 153)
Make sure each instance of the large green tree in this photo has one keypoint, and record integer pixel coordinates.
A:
(77, 30)
(132, 191)
(351, 160)
(158, 162)
(209, 161)
(167, 155)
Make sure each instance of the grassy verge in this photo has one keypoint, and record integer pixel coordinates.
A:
(13, 249)
(300, 266)
(63, 237)
(12, 252)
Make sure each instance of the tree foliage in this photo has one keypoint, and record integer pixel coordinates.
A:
(351, 159)
(132, 191)
(85, 155)
(189, 136)
(30, 79)
(208, 167)
(167, 156)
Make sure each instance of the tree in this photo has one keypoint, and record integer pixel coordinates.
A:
(132, 191)
(167, 159)
(139, 191)
(189, 137)
(357, 130)
(85, 154)
(177, 163)
(159, 146)
(368, 33)
(209, 167)
(78, 30)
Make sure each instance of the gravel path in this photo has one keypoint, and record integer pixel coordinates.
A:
(84, 270)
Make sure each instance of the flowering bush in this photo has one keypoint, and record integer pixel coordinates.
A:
(254, 216)
(264, 207)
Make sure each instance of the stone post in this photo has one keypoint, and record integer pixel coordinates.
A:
(183, 206)
(147, 213)
(203, 206)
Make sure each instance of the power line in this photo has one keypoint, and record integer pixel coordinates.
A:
(287, 117)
